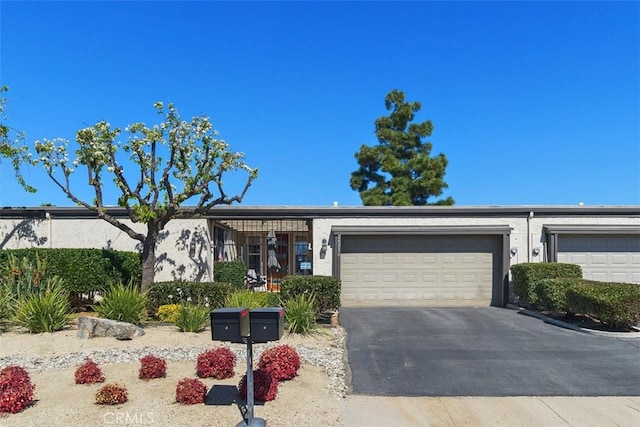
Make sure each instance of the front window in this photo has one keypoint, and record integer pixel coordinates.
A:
(273, 248)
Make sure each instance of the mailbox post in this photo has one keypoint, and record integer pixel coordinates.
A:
(239, 325)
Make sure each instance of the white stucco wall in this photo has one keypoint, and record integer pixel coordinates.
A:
(183, 251)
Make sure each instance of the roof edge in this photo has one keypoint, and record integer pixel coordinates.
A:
(247, 212)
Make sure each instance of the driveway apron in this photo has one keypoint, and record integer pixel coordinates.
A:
(484, 351)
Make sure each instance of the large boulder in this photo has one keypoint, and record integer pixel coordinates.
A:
(89, 327)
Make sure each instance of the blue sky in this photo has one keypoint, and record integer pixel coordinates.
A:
(532, 102)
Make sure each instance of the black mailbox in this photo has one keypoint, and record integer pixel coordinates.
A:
(267, 324)
(230, 324)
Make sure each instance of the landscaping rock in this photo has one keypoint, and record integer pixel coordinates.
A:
(90, 327)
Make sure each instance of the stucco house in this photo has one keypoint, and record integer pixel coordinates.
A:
(426, 256)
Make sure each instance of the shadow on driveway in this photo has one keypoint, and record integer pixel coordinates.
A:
(485, 351)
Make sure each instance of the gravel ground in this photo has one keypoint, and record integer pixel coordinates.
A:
(314, 397)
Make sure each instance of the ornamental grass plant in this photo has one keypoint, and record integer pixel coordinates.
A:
(251, 300)
(123, 303)
(192, 318)
(7, 304)
(22, 276)
(300, 315)
(44, 311)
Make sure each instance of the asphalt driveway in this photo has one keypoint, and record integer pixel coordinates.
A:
(485, 351)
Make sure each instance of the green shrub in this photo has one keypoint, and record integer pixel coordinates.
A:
(123, 303)
(232, 272)
(251, 299)
(326, 290)
(192, 318)
(616, 305)
(552, 293)
(45, 311)
(208, 294)
(525, 277)
(300, 314)
(83, 270)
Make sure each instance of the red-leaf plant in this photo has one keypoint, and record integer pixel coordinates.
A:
(265, 386)
(282, 361)
(89, 373)
(217, 363)
(112, 394)
(152, 367)
(16, 389)
(190, 391)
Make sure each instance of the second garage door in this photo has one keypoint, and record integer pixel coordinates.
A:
(419, 270)
(603, 258)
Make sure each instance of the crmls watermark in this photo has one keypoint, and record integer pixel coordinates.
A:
(128, 419)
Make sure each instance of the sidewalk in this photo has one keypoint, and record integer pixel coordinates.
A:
(372, 411)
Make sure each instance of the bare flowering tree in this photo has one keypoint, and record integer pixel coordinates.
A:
(155, 170)
(12, 144)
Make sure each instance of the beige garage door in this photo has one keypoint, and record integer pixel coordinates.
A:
(604, 258)
(419, 270)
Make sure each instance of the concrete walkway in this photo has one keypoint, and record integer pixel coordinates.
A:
(371, 411)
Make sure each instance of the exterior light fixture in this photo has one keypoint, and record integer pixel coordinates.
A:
(514, 250)
(324, 245)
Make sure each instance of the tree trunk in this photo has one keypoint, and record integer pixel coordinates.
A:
(149, 255)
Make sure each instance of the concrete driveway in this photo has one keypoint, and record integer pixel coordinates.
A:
(482, 352)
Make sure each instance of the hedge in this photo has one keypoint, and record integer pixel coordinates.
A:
(161, 293)
(616, 305)
(526, 276)
(325, 288)
(552, 293)
(84, 270)
(232, 272)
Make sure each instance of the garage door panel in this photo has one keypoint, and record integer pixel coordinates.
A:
(469, 278)
(603, 258)
(423, 270)
(367, 277)
(429, 259)
(390, 278)
(409, 260)
(429, 295)
(348, 259)
(448, 295)
(368, 259)
(618, 259)
(619, 277)
(410, 278)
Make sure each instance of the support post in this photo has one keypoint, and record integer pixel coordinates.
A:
(249, 421)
